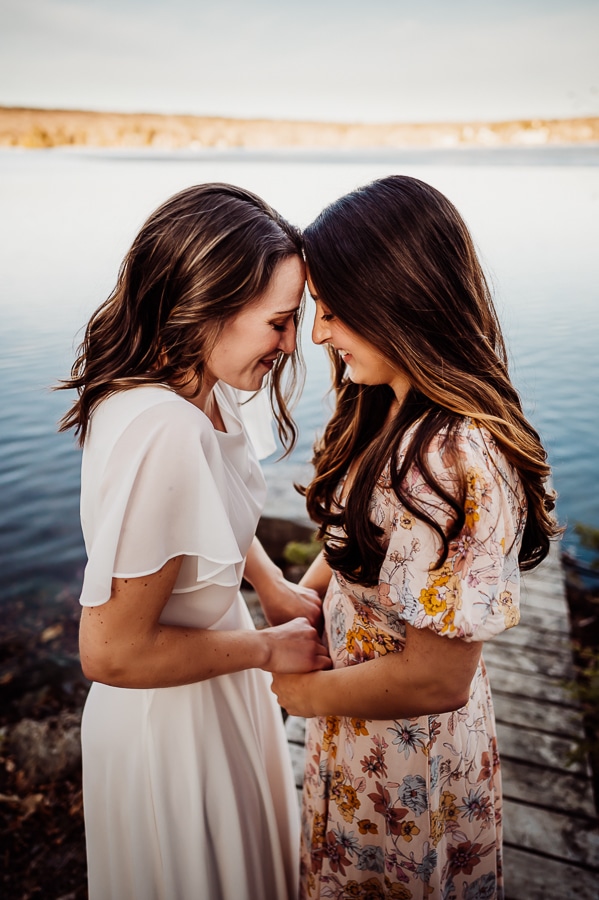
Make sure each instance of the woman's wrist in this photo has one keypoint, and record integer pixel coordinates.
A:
(261, 572)
(267, 579)
(263, 651)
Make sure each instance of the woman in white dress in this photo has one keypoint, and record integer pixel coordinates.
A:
(187, 785)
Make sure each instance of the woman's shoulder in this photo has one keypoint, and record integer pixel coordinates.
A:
(464, 436)
(145, 408)
(463, 445)
(467, 437)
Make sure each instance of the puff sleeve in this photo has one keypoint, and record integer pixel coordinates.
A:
(475, 594)
(161, 492)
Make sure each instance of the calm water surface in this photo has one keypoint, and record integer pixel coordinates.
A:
(67, 218)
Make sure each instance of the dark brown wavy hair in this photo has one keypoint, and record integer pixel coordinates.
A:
(394, 261)
(199, 259)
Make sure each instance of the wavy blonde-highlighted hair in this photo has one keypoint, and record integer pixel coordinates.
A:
(394, 261)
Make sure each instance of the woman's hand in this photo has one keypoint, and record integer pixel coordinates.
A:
(283, 600)
(294, 647)
(293, 693)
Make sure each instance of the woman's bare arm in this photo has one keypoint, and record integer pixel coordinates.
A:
(431, 675)
(123, 643)
(318, 575)
(280, 599)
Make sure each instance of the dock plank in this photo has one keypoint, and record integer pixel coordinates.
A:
(559, 835)
(532, 877)
(533, 685)
(529, 660)
(531, 745)
(547, 788)
(532, 712)
(527, 635)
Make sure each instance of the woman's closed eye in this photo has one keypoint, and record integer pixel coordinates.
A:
(283, 326)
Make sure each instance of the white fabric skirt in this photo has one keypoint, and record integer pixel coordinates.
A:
(189, 793)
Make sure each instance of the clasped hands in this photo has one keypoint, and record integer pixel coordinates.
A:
(296, 611)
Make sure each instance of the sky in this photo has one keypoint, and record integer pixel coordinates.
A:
(322, 60)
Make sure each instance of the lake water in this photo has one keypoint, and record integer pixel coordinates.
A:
(67, 218)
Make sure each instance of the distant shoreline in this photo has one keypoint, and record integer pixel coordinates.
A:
(46, 128)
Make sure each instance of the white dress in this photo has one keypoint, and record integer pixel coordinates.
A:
(188, 791)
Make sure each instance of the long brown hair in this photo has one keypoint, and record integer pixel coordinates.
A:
(200, 258)
(394, 261)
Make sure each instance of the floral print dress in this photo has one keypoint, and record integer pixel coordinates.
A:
(412, 808)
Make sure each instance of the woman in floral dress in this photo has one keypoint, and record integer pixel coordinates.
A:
(429, 490)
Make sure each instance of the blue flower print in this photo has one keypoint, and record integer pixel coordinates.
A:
(338, 627)
(435, 762)
(428, 865)
(412, 793)
(477, 805)
(409, 737)
(371, 858)
(484, 888)
(348, 841)
(449, 891)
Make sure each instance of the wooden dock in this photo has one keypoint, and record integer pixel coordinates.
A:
(551, 832)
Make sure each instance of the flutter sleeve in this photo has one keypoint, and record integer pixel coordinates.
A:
(475, 594)
(161, 494)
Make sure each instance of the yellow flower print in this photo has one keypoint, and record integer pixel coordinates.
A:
(478, 492)
(396, 891)
(337, 778)
(473, 476)
(471, 510)
(331, 730)
(359, 643)
(511, 613)
(440, 577)
(447, 620)
(406, 521)
(365, 826)
(356, 634)
(431, 601)
(350, 641)
(447, 807)
(408, 830)
(443, 591)
(318, 830)
(437, 827)
(359, 726)
(346, 798)
(311, 884)
(385, 643)
(367, 647)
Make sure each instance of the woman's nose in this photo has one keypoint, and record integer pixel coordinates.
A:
(320, 331)
(288, 340)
